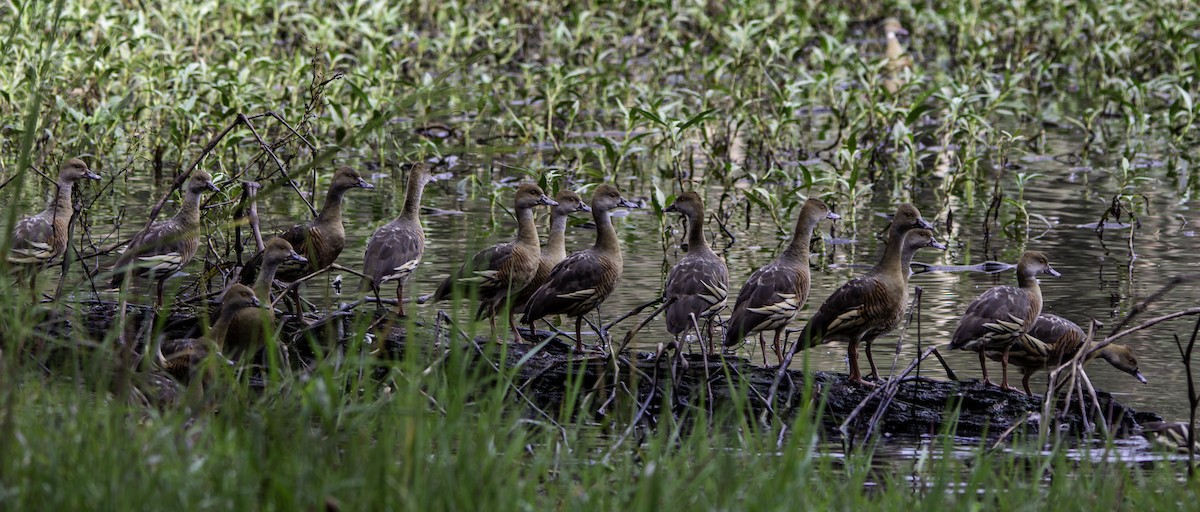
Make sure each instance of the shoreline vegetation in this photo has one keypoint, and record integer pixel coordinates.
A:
(766, 101)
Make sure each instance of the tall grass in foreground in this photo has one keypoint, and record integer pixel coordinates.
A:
(457, 439)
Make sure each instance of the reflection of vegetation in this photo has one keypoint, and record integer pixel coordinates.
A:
(691, 94)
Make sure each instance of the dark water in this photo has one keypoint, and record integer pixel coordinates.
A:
(1100, 279)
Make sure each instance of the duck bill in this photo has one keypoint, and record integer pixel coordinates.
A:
(91, 175)
(627, 203)
(210, 186)
(298, 258)
(937, 245)
(832, 216)
(254, 302)
(547, 201)
(1138, 375)
(583, 208)
(671, 209)
(363, 184)
(924, 224)
(1053, 272)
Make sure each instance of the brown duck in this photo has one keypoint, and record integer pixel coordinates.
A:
(166, 246)
(698, 286)
(320, 240)
(775, 292)
(39, 239)
(277, 252)
(580, 283)
(555, 249)
(1002, 315)
(1054, 340)
(395, 249)
(501, 271)
(870, 306)
(182, 357)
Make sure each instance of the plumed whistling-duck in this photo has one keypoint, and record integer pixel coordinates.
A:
(580, 283)
(775, 292)
(394, 250)
(1002, 315)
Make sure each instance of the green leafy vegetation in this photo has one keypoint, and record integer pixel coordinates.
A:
(769, 102)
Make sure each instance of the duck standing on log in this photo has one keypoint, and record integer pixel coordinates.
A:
(1001, 316)
(775, 292)
(698, 286)
(555, 249)
(580, 283)
(872, 305)
(166, 246)
(498, 273)
(320, 240)
(395, 249)
(42, 238)
(1054, 340)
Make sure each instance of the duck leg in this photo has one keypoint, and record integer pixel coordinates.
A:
(1025, 383)
(578, 336)
(1004, 371)
(855, 375)
(161, 283)
(708, 326)
(775, 345)
(871, 361)
(400, 298)
(983, 367)
(762, 343)
(512, 322)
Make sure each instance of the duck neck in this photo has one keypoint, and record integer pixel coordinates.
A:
(332, 210)
(606, 236)
(189, 211)
(896, 260)
(61, 205)
(220, 328)
(1029, 283)
(695, 239)
(262, 285)
(557, 244)
(527, 229)
(798, 250)
(412, 200)
(894, 50)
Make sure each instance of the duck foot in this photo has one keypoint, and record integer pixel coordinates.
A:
(859, 381)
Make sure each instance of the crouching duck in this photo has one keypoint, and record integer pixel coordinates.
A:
(1054, 340)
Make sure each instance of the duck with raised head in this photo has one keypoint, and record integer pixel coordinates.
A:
(897, 59)
(869, 306)
(555, 249)
(166, 246)
(41, 238)
(580, 283)
(698, 286)
(276, 252)
(498, 273)
(395, 249)
(775, 292)
(1054, 340)
(319, 240)
(1001, 316)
